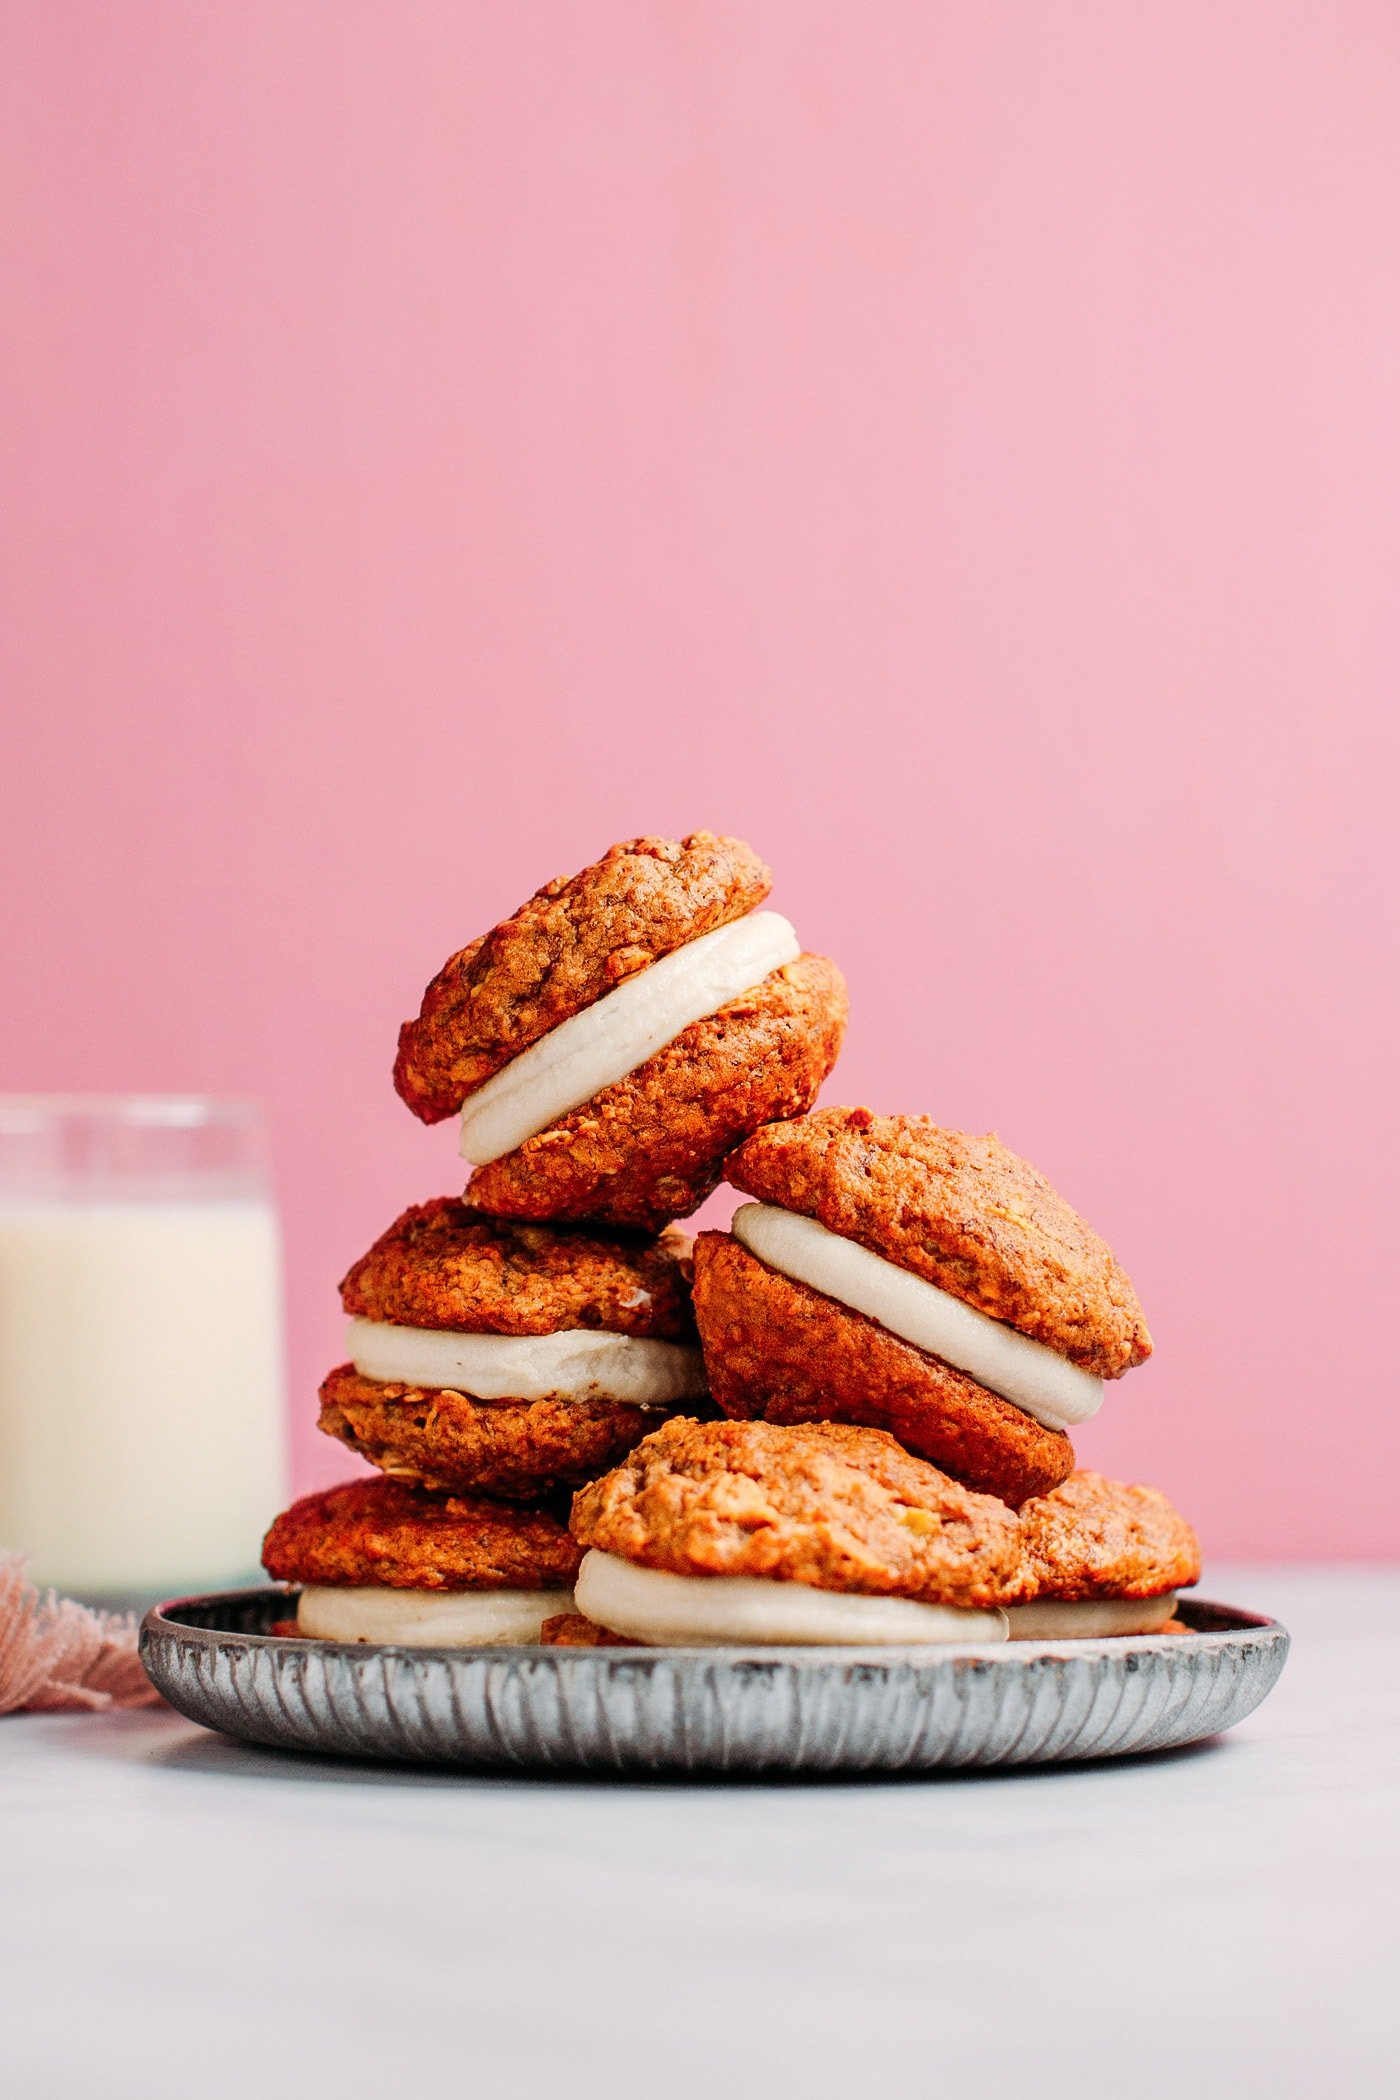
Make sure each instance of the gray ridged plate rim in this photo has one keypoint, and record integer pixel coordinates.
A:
(739, 1710)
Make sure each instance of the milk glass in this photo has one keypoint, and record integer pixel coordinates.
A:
(142, 1389)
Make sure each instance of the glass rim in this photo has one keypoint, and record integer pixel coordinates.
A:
(140, 1111)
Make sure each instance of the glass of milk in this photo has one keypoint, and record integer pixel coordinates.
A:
(142, 1389)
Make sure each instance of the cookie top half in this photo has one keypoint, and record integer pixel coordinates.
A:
(382, 1532)
(576, 939)
(963, 1212)
(445, 1265)
(1095, 1537)
(823, 1503)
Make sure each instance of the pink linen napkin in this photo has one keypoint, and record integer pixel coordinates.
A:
(57, 1656)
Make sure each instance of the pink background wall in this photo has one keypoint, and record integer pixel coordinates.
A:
(954, 446)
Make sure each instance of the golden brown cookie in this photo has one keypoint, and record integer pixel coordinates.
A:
(1095, 1537)
(576, 939)
(651, 1147)
(443, 1264)
(451, 1443)
(964, 1213)
(379, 1532)
(781, 1351)
(830, 1505)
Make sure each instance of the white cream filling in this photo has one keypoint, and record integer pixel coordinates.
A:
(1056, 1619)
(733, 1611)
(610, 1038)
(576, 1364)
(1032, 1377)
(429, 1618)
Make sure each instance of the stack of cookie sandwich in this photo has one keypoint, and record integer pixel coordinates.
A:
(904, 1327)
(606, 1049)
(858, 1430)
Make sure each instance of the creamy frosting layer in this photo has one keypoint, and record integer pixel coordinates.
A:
(429, 1618)
(1032, 1377)
(1057, 1619)
(576, 1364)
(732, 1611)
(596, 1048)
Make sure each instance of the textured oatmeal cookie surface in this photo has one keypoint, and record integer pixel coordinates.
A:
(445, 1264)
(577, 938)
(1095, 1537)
(449, 1442)
(963, 1212)
(368, 1532)
(838, 1507)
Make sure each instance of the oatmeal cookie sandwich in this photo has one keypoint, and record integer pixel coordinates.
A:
(610, 1042)
(718, 1534)
(1102, 1558)
(380, 1561)
(919, 1280)
(496, 1357)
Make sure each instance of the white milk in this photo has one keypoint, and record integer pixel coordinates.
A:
(141, 1389)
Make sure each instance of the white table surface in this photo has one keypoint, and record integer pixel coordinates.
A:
(180, 1915)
